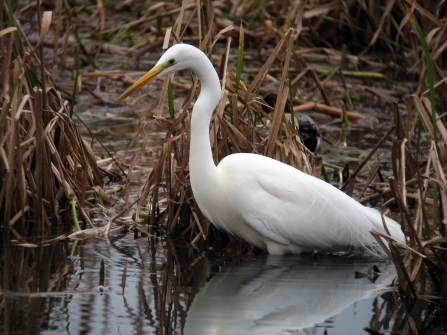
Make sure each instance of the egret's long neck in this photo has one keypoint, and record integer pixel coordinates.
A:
(201, 165)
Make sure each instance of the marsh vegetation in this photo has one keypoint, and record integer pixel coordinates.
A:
(352, 66)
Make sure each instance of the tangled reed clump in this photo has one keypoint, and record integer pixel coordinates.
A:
(44, 163)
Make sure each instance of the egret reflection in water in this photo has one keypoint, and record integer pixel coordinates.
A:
(279, 295)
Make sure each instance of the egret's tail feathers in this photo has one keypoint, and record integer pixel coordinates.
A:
(390, 227)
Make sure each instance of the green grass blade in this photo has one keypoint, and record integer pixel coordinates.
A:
(30, 68)
(75, 86)
(344, 115)
(324, 173)
(124, 33)
(31, 74)
(101, 199)
(348, 98)
(170, 100)
(240, 57)
(430, 77)
(81, 46)
(13, 23)
(75, 215)
(73, 248)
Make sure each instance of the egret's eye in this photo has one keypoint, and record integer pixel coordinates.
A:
(171, 61)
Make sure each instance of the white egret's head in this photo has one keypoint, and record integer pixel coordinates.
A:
(178, 57)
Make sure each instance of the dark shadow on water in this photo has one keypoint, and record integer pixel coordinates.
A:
(162, 286)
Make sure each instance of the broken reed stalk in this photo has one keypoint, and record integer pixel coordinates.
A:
(44, 163)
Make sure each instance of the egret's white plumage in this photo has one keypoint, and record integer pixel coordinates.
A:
(267, 203)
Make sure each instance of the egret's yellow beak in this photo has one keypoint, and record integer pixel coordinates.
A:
(142, 81)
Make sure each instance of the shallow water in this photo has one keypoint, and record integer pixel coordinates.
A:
(144, 286)
(286, 294)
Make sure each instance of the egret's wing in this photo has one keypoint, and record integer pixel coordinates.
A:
(264, 228)
(289, 206)
(278, 202)
(286, 210)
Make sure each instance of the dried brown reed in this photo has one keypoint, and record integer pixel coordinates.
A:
(418, 184)
(44, 162)
(422, 269)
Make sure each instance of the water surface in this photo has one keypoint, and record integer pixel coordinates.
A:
(148, 286)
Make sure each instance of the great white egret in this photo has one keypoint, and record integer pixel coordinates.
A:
(267, 203)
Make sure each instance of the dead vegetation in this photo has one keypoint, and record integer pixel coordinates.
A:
(44, 165)
(307, 49)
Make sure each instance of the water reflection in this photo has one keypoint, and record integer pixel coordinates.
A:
(280, 295)
(135, 285)
(31, 282)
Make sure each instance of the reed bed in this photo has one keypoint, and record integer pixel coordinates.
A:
(45, 166)
(297, 48)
